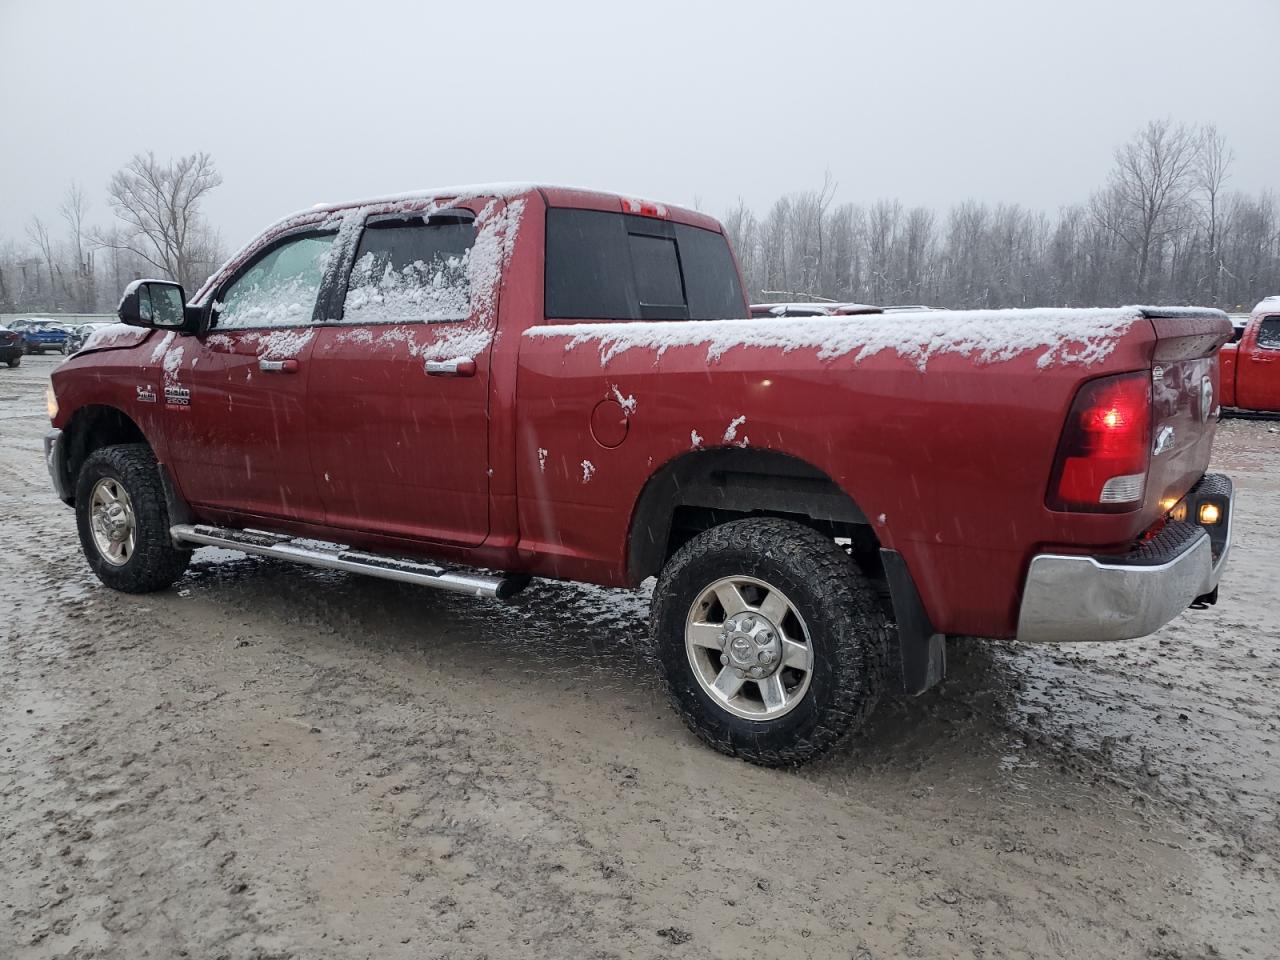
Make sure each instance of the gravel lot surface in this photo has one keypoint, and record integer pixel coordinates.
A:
(270, 761)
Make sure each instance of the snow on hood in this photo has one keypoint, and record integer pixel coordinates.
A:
(115, 335)
(1062, 335)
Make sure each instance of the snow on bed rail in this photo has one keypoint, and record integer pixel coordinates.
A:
(1063, 335)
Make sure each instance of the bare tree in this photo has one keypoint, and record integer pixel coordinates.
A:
(1213, 164)
(159, 205)
(73, 211)
(38, 233)
(1152, 178)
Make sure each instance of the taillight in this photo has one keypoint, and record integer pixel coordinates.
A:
(1105, 448)
(644, 208)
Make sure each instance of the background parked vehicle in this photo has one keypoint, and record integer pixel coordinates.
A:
(11, 348)
(42, 336)
(1251, 364)
(81, 332)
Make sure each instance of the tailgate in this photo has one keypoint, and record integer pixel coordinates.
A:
(1184, 399)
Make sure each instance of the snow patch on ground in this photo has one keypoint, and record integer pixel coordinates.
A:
(1062, 336)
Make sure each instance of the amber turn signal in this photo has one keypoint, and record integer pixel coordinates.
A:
(1210, 513)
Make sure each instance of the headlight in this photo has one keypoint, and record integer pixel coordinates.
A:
(51, 402)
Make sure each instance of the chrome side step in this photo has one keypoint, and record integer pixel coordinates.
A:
(332, 556)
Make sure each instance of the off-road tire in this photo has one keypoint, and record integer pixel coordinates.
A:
(846, 624)
(155, 563)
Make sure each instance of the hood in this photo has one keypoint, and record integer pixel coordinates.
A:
(115, 336)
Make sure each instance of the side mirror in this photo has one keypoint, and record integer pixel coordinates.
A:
(161, 304)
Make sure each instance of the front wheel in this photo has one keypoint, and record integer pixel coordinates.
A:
(15, 360)
(770, 640)
(123, 520)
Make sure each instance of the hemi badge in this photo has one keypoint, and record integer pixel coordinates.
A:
(147, 394)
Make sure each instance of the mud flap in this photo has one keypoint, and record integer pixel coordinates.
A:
(179, 512)
(921, 660)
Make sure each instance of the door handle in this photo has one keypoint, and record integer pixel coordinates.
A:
(278, 366)
(457, 367)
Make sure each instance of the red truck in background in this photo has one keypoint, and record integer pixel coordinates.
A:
(1250, 367)
(549, 382)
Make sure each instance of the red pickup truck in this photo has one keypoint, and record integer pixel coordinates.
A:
(549, 382)
(1251, 366)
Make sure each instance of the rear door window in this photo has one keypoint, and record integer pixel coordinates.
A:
(615, 266)
(412, 270)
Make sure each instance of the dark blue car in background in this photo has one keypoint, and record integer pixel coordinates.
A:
(41, 336)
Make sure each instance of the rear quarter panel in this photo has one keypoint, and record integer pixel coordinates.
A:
(948, 456)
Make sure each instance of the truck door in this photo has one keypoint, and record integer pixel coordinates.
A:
(398, 414)
(1258, 367)
(236, 397)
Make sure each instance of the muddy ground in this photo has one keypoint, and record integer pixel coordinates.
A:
(270, 761)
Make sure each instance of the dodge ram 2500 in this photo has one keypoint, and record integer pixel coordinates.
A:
(471, 387)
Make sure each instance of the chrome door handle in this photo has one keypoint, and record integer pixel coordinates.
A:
(457, 367)
(278, 366)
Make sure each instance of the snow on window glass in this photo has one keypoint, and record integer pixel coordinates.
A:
(280, 288)
(412, 270)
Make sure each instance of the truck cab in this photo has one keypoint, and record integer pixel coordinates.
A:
(1250, 366)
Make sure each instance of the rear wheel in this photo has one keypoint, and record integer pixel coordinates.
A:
(771, 642)
(123, 520)
(15, 360)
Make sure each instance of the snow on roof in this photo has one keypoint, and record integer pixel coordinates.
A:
(1268, 304)
(1078, 336)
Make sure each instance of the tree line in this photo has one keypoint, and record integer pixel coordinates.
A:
(158, 230)
(1165, 227)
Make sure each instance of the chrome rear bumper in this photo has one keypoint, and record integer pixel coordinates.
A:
(1079, 598)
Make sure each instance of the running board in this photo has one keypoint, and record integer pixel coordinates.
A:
(332, 556)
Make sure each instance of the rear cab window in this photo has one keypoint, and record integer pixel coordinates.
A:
(617, 266)
(1269, 333)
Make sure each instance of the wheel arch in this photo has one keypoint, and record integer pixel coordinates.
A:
(703, 488)
(91, 428)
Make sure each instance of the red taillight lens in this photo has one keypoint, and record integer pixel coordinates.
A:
(1105, 448)
(644, 208)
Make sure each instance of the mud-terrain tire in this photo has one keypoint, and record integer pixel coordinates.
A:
(153, 562)
(845, 626)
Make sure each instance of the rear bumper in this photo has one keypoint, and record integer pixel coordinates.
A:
(1077, 598)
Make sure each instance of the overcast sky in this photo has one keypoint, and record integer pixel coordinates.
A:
(931, 101)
